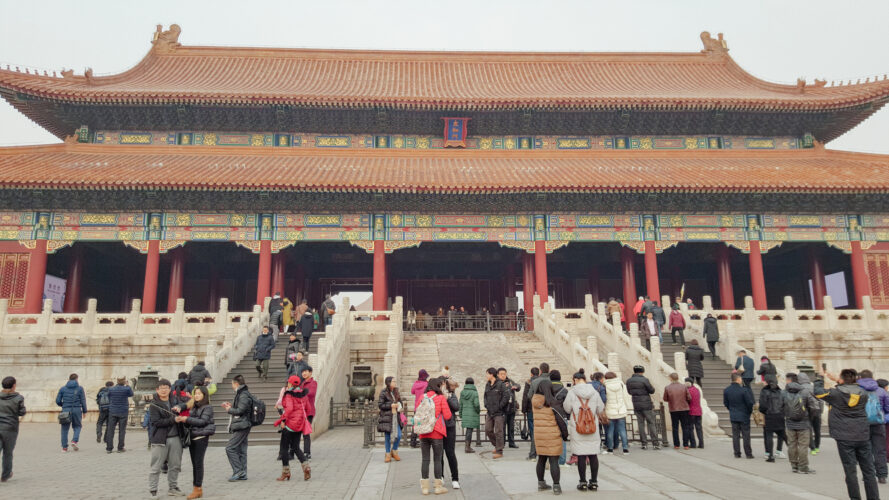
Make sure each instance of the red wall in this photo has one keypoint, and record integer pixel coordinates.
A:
(14, 265)
(876, 262)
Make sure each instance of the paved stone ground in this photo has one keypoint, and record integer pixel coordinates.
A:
(343, 469)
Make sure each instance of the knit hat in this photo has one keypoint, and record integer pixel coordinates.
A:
(423, 375)
(293, 380)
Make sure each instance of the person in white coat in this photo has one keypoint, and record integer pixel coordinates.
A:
(616, 408)
(583, 402)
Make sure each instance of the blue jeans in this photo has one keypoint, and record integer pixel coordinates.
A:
(390, 446)
(616, 428)
(75, 422)
(564, 456)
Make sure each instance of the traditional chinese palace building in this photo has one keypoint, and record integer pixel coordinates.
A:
(443, 177)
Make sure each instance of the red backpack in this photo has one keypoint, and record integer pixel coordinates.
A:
(585, 421)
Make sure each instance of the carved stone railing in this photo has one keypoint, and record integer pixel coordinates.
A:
(330, 366)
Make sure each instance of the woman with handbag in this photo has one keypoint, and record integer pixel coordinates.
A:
(390, 418)
(293, 424)
(584, 405)
(200, 427)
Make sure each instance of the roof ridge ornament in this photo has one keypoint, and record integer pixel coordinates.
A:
(715, 46)
(166, 41)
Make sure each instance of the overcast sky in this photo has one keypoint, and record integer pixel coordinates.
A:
(778, 41)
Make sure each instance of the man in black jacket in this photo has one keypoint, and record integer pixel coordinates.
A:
(12, 408)
(164, 438)
(641, 390)
(739, 401)
(103, 403)
(239, 428)
(496, 401)
(511, 389)
(262, 352)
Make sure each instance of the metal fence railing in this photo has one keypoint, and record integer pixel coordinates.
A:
(465, 322)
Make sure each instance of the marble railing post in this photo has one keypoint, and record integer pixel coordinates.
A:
(4, 307)
(179, 316)
(601, 309)
(615, 320)
(729, 343)
(656, 354)
(870, 316)
(707, 304)
(222, 316)
(679, 364)
(592, 347)
(790, 320)
(759, 344)
(134, 317)
(751, 318)
(588, 301)
(45, 319)
(89, 319)
(614, 364)
(634, 334)
(666, 304)
(830, 314)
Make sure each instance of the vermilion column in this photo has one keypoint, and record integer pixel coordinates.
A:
(278, 269)
(509, 281)
(265, 271)
(380, 278)
(628, 272)
(819, 286)
(540, 277)
(528, 289)
(177, 278)
(757, 280)
(75, 277)
(652, 283)
(859, 275)
(36, 278)
(724, 272)
(149, 290)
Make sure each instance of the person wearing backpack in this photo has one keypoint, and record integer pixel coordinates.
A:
(799, 404)
(877, 409)
(847, 421)
(239, 424)
(771, 404)
(429, 423)
(584, 405)
(103, 403)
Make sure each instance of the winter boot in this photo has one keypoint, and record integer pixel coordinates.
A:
(395, 456)
(424, 486)
(439, 488)
(285, 474)
(469, 448)
(197, 492)
(388, 458)
(307, 471)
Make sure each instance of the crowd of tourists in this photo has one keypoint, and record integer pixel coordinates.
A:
(458, 318)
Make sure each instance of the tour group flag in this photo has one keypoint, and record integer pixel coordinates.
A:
(455, 132)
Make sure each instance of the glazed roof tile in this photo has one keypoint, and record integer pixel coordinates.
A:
(85, 166)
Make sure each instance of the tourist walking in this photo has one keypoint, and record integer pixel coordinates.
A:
(527, 410)
(584, 405)
(767, 370)
(450, 385)
(744, 368)
(848, 425)
(799, 404)
(298, 364)
(616, 411)
(659, 318)
(200, 426)
(293, 346)
(612, 308)
(548, 433)
(711, 335)
(884, 384)
(102, 403)
(496, 401)
(695, 415)
(119, 410)
(677, 324)
(814, 414)
(306, 328)
(12, 409)
(418, 390)
(198, 375)
(262, 352)
(739, 402)
(469, 413)
(239, 424)
(287, 315)
(429, 422)
(294, 424)
(648, 328)
(328, 309)
(559, 393)
(694, 361)
(676, 396)
(165, 440)
(876, 416)
(512, 389)
(597, 380)
(276, 314)
(310, 386)
(389, 423)
(72, 400)
(771, 404)
(640, 390)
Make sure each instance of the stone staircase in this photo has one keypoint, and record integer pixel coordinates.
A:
(266, 433)
(470, 354)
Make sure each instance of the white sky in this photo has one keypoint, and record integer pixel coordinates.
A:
(776, 41)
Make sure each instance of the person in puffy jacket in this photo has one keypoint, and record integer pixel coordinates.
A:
(798, 427)
(640, 390)
(262, 352)
(198, 374)
(695, 415)
(293, 424)
(711, 334)
(677, 397)
(616, 410)
(469, 412)
(814, 415)
(310, 385)
(418, 389)
(434, 440)
(389, 423)
(585, 446)
(694, 361)
(877, 431)
(12, 408)
(771, 404)
(450, 386)
(677, 325)
(72, 399)
(201, 426)
(118, 409)
(239, 426)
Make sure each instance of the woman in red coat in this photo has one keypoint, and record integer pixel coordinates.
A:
(433, 440)
(294, 423)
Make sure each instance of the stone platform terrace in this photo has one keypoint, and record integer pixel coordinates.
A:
(343, 469)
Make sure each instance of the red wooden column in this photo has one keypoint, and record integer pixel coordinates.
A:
(724, 273)
(652, 283)
(300, 280)
(859, 275)
(593, 278)
(628, 272)
(757, 280)
(264, 273)
(819, 286)
(509, 281)
(177, 278)
(278, 269)
(36, 278)
(380, 281)
(528, 289)
(75, 277)
(540, 277)
(149, 290)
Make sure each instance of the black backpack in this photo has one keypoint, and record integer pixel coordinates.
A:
(257, 414)
(104, 400)
(795, 407)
